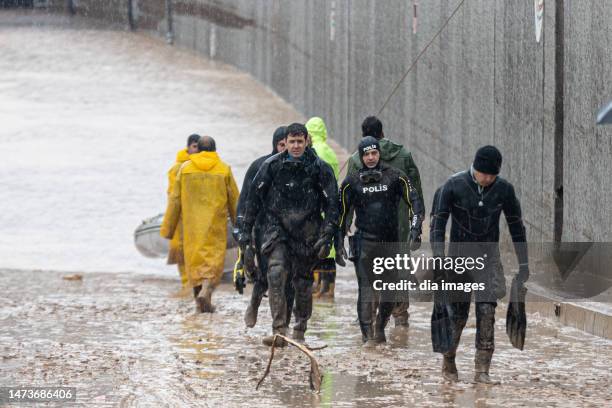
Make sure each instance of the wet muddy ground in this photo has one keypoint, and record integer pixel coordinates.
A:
(132, 340)
(91, 120)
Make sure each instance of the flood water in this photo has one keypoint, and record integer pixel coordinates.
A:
(91, 121)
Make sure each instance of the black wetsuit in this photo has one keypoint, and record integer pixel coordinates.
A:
(292, 194)
(375, 203)
(476, 212)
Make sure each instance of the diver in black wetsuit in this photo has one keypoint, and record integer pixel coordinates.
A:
(260, 279)
(475, 199)
(374, 194)
(297, 194)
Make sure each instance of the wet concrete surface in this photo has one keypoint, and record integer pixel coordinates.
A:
(133, 340)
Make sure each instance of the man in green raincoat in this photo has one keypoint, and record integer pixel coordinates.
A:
(326, 269)
(394, 155)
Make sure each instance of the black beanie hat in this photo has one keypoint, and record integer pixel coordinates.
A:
(488, 160)
(279, 134)
(367, 143)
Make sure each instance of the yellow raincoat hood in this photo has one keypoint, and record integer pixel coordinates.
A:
(182, 156)
(204, 160)
(317, 130)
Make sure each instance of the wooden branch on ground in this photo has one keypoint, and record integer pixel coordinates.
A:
(315, 374)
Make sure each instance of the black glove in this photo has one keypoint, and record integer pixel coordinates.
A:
(243, 239)
(323, 246)
(340, 251)
(523, 273)
(341, 255)
(415, 239)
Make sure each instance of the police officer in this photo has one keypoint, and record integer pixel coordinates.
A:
(297, 193)
(260, 285)
(394, 155)
(374, 194)
(475, 199)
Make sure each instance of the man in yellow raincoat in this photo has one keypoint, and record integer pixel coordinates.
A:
(175, 254)
(325, 271)
(204, 194)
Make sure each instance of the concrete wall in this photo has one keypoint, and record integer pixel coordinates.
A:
(485, 80)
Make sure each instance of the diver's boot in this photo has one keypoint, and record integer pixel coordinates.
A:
(279, 342)
(449, 369)
(204, 299)
(298, 336)
(402, 320)
(379, 330)
(368, 337)
(250, 316)
(482, 362)
(380, 337)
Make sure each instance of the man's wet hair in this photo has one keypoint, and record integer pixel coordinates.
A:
(195, 138)
(372, 126)
(207, 144)
(296, 129)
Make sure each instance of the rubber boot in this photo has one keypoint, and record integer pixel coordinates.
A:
(250, 316)
(380, 337)
(298, 336)
(268, 340)
(368, 338)
(401, 319)
(196, 291)
(449, 368)
(482, 362)
(379, 328)
(400, 313)
(204, 299)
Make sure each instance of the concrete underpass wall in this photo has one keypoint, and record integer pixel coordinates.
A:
(485, 80)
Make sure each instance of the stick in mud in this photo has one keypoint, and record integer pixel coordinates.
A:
(315, 374)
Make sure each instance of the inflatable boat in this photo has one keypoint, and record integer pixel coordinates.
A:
(150, 244)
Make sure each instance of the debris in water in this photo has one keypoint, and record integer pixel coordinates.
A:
(315, 374)
(75, 277)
